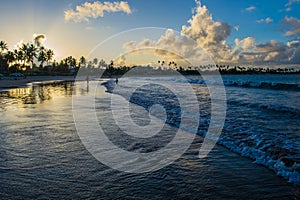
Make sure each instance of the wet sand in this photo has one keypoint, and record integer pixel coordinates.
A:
(9, 82)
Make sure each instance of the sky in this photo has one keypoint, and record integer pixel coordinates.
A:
(252, 32)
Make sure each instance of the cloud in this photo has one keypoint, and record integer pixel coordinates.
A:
(129, 45)
(267, 20)
(273, 52)
(293, 43)
(212, 36)
(209, 34)
(288, 5)
(270, 52)
(19, 44)
(250, 8)
(292, 26)
(89, 28)
(39, 39)
(202, 30)
(246, 43)
(96, 9)
(291, 2)
(185, 48)
(120, 61)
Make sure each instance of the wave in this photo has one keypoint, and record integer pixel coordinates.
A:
(265, 150)
(258, 85)
(270, 108)
(245, 84)
(264, 85)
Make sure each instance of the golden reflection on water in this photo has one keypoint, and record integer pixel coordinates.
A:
(36, 93)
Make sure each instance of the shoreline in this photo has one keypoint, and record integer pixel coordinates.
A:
(287, 168)
(10, 83)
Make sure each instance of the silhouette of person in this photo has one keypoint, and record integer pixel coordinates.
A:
(87, 83)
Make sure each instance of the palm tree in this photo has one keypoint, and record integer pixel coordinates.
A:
(70, 61)
(95, 61)
(19, 56)
(82, 61)
(42, 56)
(30, 52)
(3, 46)
(10, 57)
(49, 55)
(102, 64)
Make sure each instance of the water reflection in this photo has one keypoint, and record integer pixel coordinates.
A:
(36, 93)
(41, 156)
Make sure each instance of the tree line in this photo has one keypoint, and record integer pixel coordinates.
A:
(33, 59)
(24, 57)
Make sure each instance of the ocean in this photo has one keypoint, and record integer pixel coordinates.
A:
(257, 155)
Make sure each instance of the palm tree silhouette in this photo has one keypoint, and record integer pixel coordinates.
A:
(10, 57)
(49, 55)
(19, 54)
(30, 52)
(82, 61)
(70, 61)
(42, 56)
(95, 61)
(3, 46)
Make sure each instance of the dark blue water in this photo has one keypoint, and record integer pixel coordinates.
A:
(42, 157)
(262, 118)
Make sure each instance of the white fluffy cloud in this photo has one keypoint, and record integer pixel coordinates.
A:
(171, 47)
(244, 45)
(211, 35)
(94, 10)
(267, 20)
(250, 8)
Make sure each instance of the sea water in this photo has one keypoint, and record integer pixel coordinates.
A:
(262, 118)
(42, 156)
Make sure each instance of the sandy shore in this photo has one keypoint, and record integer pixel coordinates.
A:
(7, 82)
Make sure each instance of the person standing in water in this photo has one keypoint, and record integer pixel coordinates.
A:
(117, 80)
(87, 83)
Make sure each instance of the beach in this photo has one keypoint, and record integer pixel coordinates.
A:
(43, 157)
(150, 100)
(20, 82)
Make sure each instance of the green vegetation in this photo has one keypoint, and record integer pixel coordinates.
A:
(24, 58)
(31, 59)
